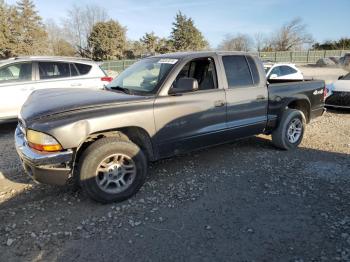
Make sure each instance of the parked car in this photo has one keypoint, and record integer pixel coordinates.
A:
(339, 93)
(20, 76)
(283, 71)
(157, 108)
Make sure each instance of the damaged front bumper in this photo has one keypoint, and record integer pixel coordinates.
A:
(53, 168)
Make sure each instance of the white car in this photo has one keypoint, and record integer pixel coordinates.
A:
(284, 71)
(20, 76)
(338, 93)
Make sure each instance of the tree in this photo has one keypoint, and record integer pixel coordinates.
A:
(57, 43)
(291, 36)
(5, 33)
(79, 24)
(154, 44)
(185, 36)
(342, 43)
(164, 46)
(150, 41)
(240, 42)
(107, 40)
(28, 30)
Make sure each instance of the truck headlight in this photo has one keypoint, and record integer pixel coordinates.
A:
(42, 142)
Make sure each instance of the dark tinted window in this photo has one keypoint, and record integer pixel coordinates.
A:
(287, 70)
(276, 71)
(16, 72)
(346, 77)
(73, 70)
(83, 69)
(253, 69)
(237, 71)
(49, 70)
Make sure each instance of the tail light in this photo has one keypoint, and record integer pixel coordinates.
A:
(325, 93)
(107, 79)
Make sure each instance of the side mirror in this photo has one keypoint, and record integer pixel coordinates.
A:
(273, 76)
(340, 77)
(184, 85)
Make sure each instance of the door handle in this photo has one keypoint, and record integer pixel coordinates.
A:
(219, 103)
(76, 84)
(27, 89)
(260, 97)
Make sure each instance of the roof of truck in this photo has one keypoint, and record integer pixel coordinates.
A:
(180, 55)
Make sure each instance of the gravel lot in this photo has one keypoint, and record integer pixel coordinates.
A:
(244, 201)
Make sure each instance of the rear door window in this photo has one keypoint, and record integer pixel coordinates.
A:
(16, 72)
(73, 70)
(51, 70)
(237, 71)
(287, 70)
(83, 68)
(276, 71)
(253, 69)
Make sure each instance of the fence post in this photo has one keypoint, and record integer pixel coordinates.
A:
(291, 56)
(324, 53)
(123, 65)
(275, 56)
(307, 56)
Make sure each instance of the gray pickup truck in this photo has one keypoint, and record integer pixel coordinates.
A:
(159, 107)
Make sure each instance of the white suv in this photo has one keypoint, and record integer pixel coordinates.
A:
(20, 76)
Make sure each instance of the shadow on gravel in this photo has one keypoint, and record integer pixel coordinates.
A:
(245, 200)
(338, 110)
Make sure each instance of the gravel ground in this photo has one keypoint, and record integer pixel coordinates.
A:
(329, 74)
(244, 201)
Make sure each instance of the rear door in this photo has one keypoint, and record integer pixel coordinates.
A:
(191, 120)
(246, 96)
(54, 74)
(16, 84)
(90, 76)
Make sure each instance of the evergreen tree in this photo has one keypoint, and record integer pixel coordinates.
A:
(28, 30)
(150, 41)
(5, 34)
(107, 40)
(185, 36)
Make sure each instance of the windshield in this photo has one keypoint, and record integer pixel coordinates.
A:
(346, 77)
(144, 76)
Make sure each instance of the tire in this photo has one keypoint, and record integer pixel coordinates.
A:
(280, 136)
(121, 163)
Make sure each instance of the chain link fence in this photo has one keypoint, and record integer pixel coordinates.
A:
(302, 57)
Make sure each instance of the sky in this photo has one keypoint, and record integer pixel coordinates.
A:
(326, 20)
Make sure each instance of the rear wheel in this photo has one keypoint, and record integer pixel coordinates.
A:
(112, 170)
(290, 130)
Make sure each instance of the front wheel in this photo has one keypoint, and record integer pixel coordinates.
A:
(111, 170)
(290, 130)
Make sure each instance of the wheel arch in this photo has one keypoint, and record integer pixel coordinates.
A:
(303, 105)
(137, 135)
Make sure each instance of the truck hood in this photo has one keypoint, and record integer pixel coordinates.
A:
(47, 102)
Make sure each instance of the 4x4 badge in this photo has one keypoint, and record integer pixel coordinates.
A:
(318, 92)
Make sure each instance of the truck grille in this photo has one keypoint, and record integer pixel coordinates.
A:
(21, 126)
(339, 99)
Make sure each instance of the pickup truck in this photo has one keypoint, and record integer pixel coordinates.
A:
(159, 107)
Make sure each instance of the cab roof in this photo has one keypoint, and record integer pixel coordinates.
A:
(192, 54)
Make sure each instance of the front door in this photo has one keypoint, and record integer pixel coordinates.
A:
(15, 86)
(191, 120)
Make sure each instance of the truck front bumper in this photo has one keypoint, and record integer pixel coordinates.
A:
(52, 168)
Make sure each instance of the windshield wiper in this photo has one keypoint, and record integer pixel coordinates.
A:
(123, 89)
